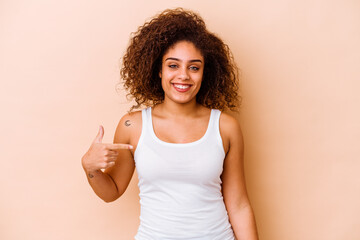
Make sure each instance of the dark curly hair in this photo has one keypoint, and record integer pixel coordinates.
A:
(142, 61)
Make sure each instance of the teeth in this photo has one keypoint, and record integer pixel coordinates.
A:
(181, 86)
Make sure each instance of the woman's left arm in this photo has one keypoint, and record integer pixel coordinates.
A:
(240, 213)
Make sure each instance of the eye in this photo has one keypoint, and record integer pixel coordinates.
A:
(172, 66)
(194, 68)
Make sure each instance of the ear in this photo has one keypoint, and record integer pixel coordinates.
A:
(160, 75)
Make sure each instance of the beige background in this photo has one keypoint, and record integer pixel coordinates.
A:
(300, 115)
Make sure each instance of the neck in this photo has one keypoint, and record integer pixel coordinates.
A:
(177, 109)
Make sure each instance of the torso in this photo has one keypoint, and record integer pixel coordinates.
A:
(180, 181)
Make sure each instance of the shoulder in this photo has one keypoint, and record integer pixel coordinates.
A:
(128, 126)
(131, 120)
(229, 124)
(230, 130)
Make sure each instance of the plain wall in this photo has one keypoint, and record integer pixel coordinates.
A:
(300, 62)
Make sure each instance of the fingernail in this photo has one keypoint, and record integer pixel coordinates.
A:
(131, 147)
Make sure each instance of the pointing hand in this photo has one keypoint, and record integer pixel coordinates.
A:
(101, 155)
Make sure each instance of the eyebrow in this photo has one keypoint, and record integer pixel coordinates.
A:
(176, 59)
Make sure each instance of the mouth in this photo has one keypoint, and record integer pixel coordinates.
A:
(181, 87)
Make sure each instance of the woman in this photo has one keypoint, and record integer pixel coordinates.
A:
(188, 154)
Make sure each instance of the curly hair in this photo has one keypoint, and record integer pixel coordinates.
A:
(142, 61)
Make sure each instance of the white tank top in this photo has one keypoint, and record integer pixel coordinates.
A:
(180, 186)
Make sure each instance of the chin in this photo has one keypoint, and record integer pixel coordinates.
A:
(182, 100)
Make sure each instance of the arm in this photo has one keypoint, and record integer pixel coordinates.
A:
(240, 213)
(128, 131)
(115, 158)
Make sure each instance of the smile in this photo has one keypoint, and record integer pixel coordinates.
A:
(181, 87)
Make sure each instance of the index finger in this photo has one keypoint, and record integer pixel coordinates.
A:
(118, 146)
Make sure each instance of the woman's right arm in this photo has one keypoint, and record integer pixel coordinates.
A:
(116, 159)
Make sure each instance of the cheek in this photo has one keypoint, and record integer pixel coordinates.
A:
(198, 78)
(167, 76)
(165, 81)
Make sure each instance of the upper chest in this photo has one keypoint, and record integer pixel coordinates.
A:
(180, 130)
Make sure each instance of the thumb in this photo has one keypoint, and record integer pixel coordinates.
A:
(100, 135)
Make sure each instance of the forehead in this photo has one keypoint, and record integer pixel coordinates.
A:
(183, 50)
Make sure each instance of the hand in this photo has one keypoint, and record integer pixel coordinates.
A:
(101, 155)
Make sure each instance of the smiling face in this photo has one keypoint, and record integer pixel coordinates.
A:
(181, 72)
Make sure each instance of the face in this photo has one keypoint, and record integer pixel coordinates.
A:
(181, 72)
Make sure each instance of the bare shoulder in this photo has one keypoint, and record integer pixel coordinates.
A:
(128, 127)
(131, 120)
(230, 130)
(229, 124)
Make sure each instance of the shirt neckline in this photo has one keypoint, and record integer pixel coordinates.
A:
(179, 144)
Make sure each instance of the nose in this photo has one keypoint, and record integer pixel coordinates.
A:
(183, 74)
